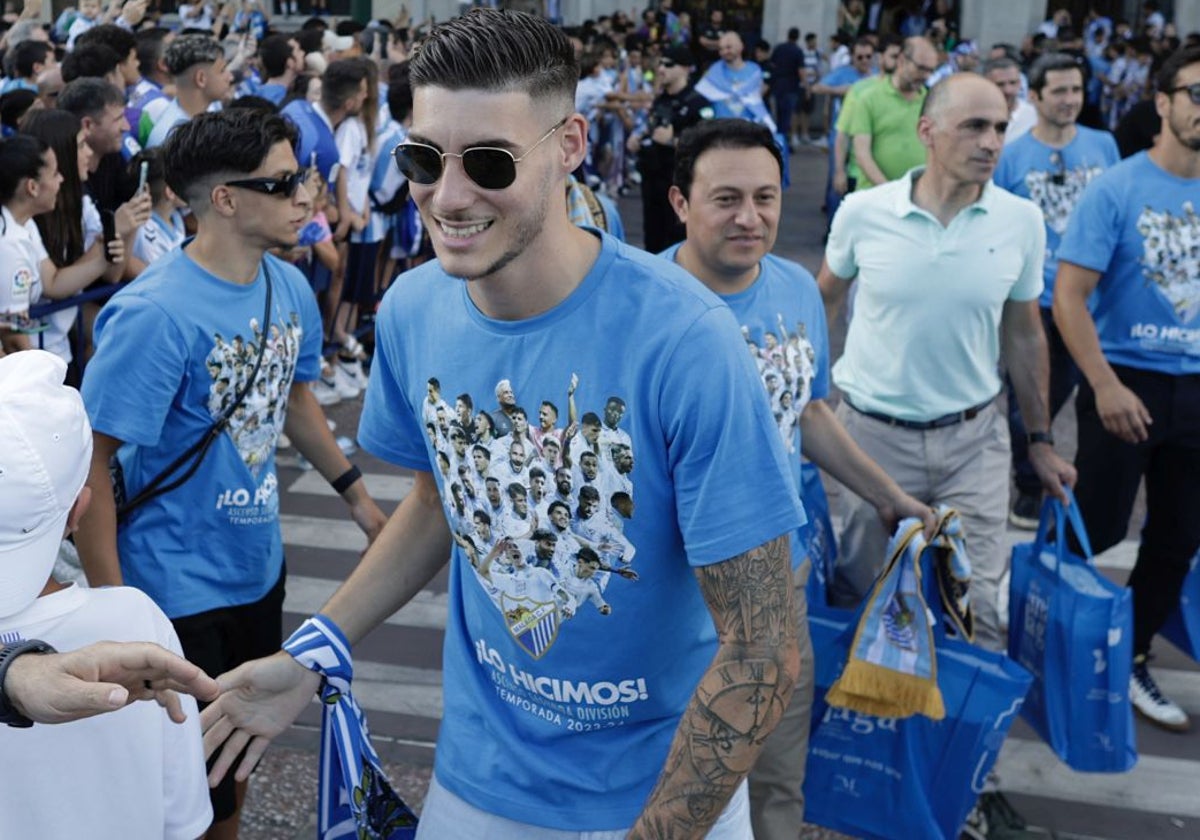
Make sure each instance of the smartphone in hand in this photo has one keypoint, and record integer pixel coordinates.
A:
(108, 220)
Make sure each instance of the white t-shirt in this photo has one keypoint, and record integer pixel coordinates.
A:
(21, 255)
(1023, 118)
(204, 21)
(129, 773)
(353, 154)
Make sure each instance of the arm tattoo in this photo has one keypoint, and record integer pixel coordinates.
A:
(740, 698)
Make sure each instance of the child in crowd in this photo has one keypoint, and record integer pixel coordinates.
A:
(165, 229)
(131, 773)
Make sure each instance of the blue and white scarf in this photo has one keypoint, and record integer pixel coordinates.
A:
(367, 809)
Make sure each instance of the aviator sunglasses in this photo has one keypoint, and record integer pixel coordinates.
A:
(490, 168)
(285, 187)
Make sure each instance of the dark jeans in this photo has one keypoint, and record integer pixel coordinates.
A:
(1064, 376)
(785, 108)
(1110, 471)
(660, 226)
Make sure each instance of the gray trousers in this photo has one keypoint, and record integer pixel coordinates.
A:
(965, 466)
(776, 798)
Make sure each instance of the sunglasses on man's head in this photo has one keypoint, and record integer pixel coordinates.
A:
(490, 168)
(1192, 90)
(285, 187)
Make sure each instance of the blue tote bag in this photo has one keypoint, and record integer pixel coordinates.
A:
(1073, 629)
(1183, 627)
(884, 778)
(816, 536)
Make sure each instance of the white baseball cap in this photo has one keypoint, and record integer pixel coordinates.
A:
(45, 455)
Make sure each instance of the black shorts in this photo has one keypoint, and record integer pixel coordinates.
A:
(220, 640)
(359, 285)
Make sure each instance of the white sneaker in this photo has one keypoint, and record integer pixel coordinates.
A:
(821, 143)
(325, 390)
(347, 445)
(349, 377)
(1151, 703)
(332, 425)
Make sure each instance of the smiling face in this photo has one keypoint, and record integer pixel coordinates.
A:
(731, 215)
(478, 233)
(1060, 100)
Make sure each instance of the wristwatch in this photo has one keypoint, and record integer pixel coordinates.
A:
(1039, 437)
(8, 714)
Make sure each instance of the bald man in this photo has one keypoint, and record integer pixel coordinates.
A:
(734, 86)
(949, 269)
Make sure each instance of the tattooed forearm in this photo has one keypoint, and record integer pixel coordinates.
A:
(739, 699)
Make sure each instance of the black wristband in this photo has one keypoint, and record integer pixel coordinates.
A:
(342, 483)
(1039, 437)
(8, 714)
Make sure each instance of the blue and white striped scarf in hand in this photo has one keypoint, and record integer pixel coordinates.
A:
(355, 798)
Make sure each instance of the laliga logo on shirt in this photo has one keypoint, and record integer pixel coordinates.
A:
(22, 280)
(241, 497)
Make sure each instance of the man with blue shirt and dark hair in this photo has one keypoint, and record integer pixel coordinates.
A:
(197, 64)
(702, 660)
(1127, 301)
(202, 538)
(728, 194)
(1050, 165)
(282, 60)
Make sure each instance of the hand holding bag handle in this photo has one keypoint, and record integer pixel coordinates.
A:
(1063, 515)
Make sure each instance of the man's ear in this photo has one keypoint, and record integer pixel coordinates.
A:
(679, 203)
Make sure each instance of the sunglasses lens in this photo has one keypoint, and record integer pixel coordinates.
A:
(419, 164)
(492, 169)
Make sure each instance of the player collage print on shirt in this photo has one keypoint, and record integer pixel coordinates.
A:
(786, 363)
(1056, 193)
(1171, 257)
(257, 422)
(537, 505)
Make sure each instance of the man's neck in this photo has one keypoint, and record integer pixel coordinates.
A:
(192, 101)
(1175, 157)
(899, 86)
(225, 255)
(543, 276)
(1055, 136)
(943, 196)
(722, 284)
(676, 87)
(735, 65)
(285, 80)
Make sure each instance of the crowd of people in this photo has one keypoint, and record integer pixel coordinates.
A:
(283, 212)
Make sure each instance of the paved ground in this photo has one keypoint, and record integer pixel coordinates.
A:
(398, 666)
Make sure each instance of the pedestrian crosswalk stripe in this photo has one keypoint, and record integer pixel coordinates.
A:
(306, 595)
(1155, 785)
(382, 486)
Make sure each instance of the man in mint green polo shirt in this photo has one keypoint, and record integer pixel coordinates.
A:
(949, 270)
(883, 124)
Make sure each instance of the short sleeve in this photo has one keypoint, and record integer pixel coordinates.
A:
(711, 403)
(1032, 279)
(391, 426)
(839, 248)
(17, 278)
(349, 143)
(126, 327)
(308, 364)
(819, 331)
(858, 118)
(1095, 228)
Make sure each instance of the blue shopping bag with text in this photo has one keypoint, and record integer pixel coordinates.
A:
(816, 536)
(1183, 627)
(1073, 629)
(884, 778)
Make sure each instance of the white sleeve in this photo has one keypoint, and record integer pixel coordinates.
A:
(349, 137)
(187, 809)
(17, 278)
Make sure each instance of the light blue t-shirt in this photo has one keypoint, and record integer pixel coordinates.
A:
(272, 91)
(172, 351)
(1138, 226)
(783, 323)
(172, 116)
(1054, 179)
(562, 692)
(316, 137)
(847, 74)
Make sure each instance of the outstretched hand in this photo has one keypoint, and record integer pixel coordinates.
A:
(258, 701)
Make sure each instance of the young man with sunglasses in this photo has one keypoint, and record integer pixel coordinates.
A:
(1050, 165)
(1127, 302)
(208, 548)
(638, 723)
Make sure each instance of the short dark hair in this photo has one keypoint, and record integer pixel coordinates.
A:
(21, 157)
(1001, 62)
(224, 143)
(274, 52)
(119, 40)
(399, 94)
(150, 49)
(28, 53)
(341, 81)
(92, 61)
(88, 97)
(793, 34)
(1051, 63)
(719, 134)
(254, 103)
(1169, 72)
(186, 51)
(493, 50)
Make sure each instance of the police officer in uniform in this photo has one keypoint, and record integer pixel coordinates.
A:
(676, 108)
